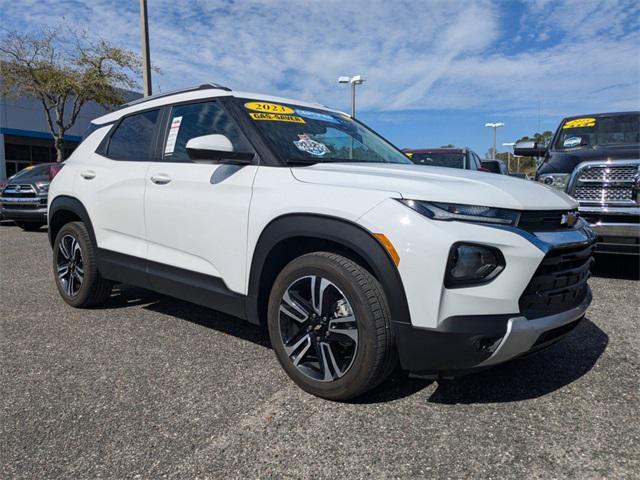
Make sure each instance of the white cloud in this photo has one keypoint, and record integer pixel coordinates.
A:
(416, 55)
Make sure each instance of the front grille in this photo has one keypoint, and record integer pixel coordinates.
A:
(614, 173)
(606, 184)
(560, 282)
(19, 191)
(542, 220)
(604, 194)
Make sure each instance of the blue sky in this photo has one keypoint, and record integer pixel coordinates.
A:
(436, 71)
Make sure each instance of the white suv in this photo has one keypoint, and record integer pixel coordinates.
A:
(298, 217)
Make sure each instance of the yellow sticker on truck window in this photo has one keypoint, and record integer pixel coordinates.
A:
(276, 117)
(580, 123)
(268, 107)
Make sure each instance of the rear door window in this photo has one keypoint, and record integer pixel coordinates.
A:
(134, 136)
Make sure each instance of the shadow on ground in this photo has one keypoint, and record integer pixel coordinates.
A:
(522, 379)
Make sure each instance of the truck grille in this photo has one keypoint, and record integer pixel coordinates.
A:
(560, 282)
(606, 184)
(19, 191)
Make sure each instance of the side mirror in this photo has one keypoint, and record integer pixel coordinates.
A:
(529, 149)
(216, 148)
(491, 165)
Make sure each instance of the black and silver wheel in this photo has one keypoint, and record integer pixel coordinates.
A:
(70, 266)
(75, 268)
(329, 326)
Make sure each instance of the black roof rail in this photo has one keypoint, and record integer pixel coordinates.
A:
(204, 86)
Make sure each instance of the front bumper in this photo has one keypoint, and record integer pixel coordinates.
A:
(468, 343)
(35, 215)
(617, 228)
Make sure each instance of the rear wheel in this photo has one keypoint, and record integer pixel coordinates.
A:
(330, 327)
(76, 270)
(30, 226)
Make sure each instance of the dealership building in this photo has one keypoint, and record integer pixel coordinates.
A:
(25, 138)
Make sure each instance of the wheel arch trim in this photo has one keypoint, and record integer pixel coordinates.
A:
(337, 230)
(73, 205)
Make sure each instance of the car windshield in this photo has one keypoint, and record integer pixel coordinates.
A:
(587, 132)
(451, 160)
(305, 135)
(29, 173)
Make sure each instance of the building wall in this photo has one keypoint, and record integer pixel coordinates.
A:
(24, 133)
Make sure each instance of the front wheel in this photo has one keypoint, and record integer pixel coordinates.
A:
(75, 268)
(330, 326)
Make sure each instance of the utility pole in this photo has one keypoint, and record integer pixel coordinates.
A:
(495, 127)
(509, 154)
(144, 36)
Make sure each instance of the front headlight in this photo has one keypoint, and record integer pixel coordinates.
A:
(555, 180)
(464, 213)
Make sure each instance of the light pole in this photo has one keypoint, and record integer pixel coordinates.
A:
(144, 36)
(510, 145)
(495, 127)
(355, 80)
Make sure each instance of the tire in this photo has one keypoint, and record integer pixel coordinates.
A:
(81, 285)
(30, 226)
(348, 312)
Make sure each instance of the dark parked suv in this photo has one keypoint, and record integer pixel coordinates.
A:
(596, 159)
(445, 157)
(24, 198)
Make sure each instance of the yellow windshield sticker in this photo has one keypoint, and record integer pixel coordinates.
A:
(30, 167)
(268, 107)
(276, 117)
(580, 123)
(409, 154)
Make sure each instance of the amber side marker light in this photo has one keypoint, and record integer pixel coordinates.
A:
(388, 246)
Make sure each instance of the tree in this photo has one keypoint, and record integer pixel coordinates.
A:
(447, 146)
(543, 137)
(64, 71)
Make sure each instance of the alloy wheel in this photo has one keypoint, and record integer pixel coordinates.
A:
(70, 266)
(318, 328)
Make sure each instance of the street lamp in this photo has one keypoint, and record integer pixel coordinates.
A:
(495, 126)
(510, 145)
(355, 80)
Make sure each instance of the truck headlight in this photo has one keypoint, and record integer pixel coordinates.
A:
(472, 264)
(465, 213)
(555, 180)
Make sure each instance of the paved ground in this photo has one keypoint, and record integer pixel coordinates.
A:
(153, 387)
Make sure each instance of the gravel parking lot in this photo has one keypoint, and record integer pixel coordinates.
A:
(154, 387)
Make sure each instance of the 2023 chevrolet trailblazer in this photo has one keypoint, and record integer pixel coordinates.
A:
(297, 217)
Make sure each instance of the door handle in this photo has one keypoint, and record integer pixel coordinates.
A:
(88, 174)
(160, 179)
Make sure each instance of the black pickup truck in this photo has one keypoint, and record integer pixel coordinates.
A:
(596, 159)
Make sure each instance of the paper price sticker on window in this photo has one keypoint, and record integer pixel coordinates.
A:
(276, 117)
(580, 123)
(173, 135)
(268, 107)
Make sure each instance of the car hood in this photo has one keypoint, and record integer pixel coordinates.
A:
(438, 184)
